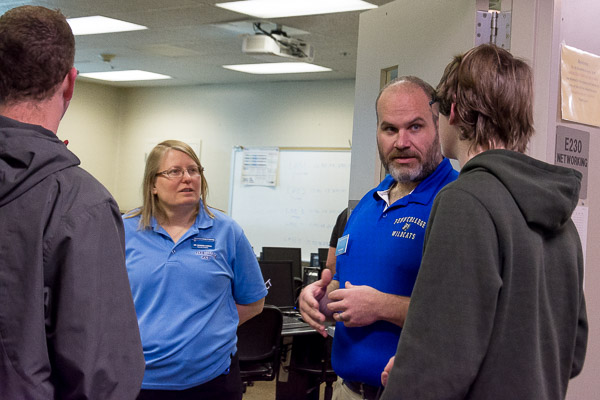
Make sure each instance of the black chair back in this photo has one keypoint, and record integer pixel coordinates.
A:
(259, 341)
(313, 358)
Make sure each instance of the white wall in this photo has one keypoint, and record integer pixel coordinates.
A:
(576, 25)
(108, 127)
(420, 37)
(572, 22)
(92, 127)
(313, 114)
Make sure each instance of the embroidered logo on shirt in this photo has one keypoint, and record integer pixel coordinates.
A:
(408, 223)
(206, 255)
(411, 220)
(402, 234)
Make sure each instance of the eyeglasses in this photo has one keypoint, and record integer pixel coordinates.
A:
(176, 173)
(433, 101)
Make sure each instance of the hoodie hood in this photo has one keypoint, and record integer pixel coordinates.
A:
(546, 194)
(28, 154)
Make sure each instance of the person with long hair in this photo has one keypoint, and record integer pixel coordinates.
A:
(194, 279)
(498, 309)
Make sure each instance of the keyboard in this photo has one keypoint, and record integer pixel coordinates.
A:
(293, 321)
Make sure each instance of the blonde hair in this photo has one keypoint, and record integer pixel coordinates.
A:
(151, 207)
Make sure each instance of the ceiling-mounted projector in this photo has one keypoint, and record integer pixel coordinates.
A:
(278, 45)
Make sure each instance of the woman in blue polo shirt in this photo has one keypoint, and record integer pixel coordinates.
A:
(194, 279)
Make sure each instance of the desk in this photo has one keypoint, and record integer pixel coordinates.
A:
(294, 325)
(297, 331)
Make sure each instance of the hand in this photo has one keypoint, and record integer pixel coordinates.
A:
(310, 302)
(356, 305)
(386, 371)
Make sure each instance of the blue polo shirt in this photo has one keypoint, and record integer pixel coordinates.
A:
(384, 252)
(185, 295)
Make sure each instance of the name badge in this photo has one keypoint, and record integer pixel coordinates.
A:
(203, 243)
(342, 245)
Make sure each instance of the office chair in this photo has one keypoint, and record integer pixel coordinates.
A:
(313, 358)
(259, 341)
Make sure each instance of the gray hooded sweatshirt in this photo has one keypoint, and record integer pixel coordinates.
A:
(498, 310)
(68, 327)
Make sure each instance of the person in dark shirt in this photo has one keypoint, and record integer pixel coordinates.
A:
(336, 233)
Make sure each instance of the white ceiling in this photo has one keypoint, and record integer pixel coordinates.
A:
(190, 40)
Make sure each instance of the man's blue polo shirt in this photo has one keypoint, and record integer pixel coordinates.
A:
(384, 252)
(185, 296)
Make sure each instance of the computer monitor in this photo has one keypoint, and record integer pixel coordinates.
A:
(280, 283)
(323, 252)
(293, 254)
(314, 259)
(311, 274)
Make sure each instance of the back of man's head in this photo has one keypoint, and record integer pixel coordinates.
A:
(37, 50)
(493, 96)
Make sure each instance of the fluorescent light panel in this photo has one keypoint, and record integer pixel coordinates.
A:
(124, 76)
(291, 8)
(277, 68)
(97, 24)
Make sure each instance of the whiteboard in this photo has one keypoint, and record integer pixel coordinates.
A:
(300, 211)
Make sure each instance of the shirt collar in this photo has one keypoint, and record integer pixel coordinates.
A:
(385, 196)
(203, 221)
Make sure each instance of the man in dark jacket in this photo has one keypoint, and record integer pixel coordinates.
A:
(498, 310)
(68, 327)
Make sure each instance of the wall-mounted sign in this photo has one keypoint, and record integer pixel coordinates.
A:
(580, 86)
(260, 166)
(572, 150)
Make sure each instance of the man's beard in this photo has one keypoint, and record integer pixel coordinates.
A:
(425, 167)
